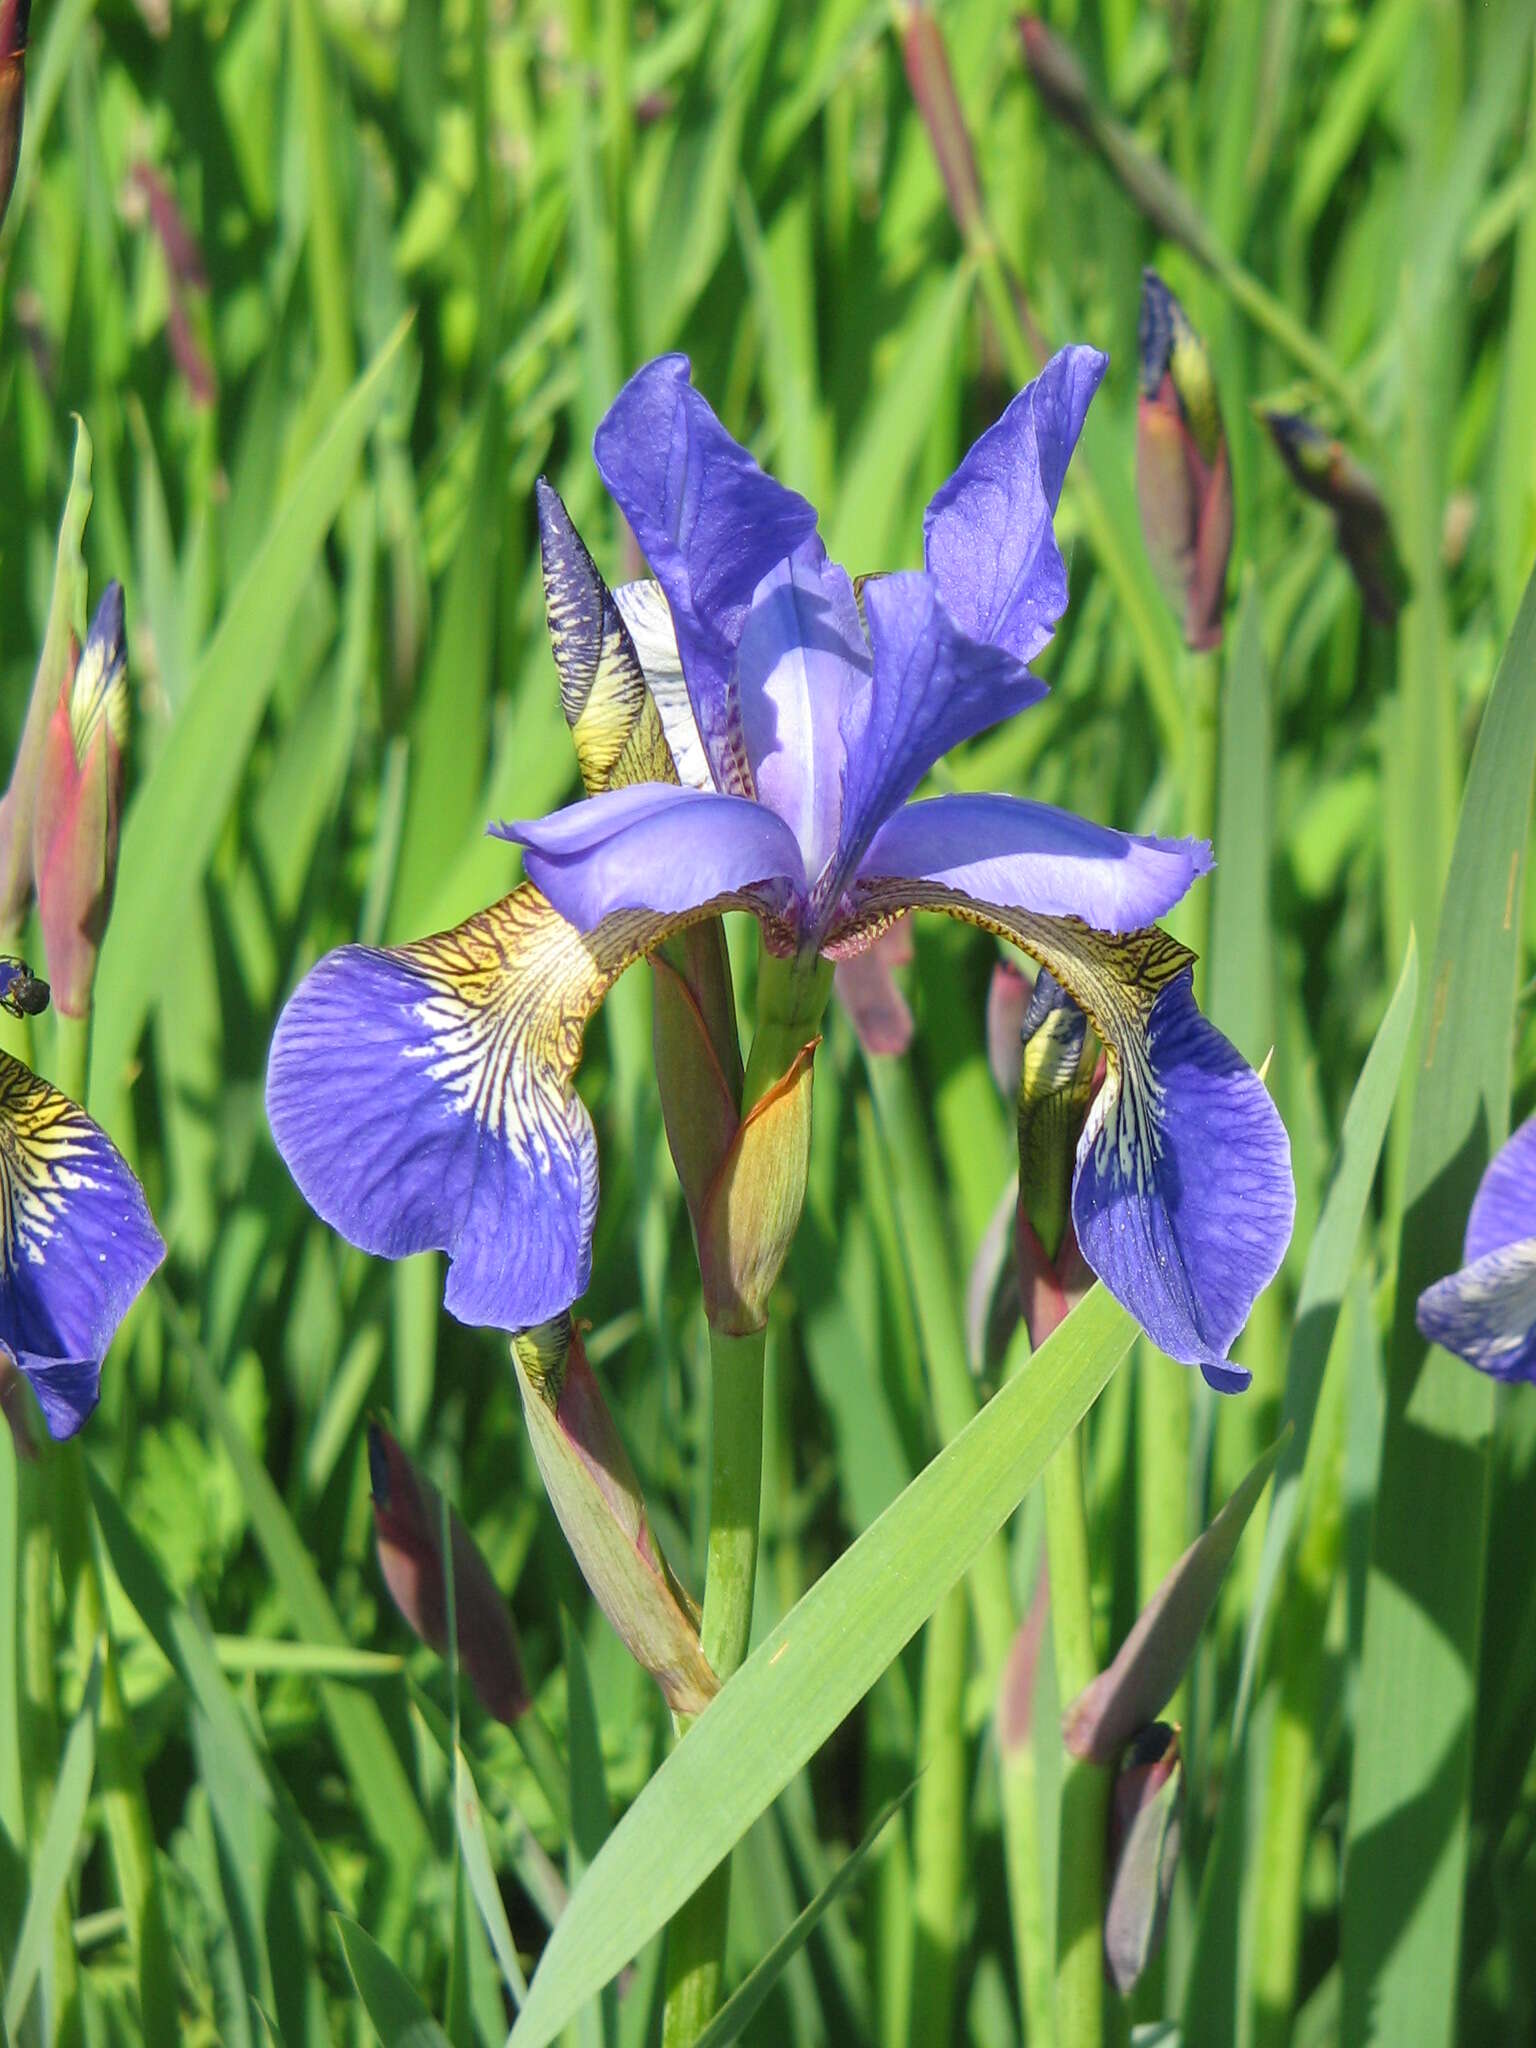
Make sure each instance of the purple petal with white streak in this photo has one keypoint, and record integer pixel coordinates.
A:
(1486, 1311)
(77, 1243)
(414, 1119)
(1019, 855)
(988, 537)
(1183, 1201)
(803, 656)
(709, 521)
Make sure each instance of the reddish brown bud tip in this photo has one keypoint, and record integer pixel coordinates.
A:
(407, 1518)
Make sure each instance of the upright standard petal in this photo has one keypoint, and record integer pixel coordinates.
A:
(711, 524)
(1182, 1199)
(931, 688)
(421, 1097)
(1026, 856)
(803, 657)
(1486, 1312)
(654, 847)
(988, 538)
(77, 1244)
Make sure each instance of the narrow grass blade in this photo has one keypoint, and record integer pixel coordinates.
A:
(816, 1665)
(733, 2018)
(174, 822)
(476, 1855)
(187, 1649)
(1409, 1792)
(383, 1791)
(399, 2018)
(55, 1853)
(1330, 1260)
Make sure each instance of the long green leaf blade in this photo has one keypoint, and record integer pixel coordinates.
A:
(816, 1665)
(1409, 1794)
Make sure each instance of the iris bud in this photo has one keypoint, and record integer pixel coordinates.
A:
(1146, 1825)
(408, 1522)
(1183, 474)
(698, 1064)
(66, 613)
(1325, 470)
(79, 805)
(753, 1208)
(1055, 1083)
(597, 1501)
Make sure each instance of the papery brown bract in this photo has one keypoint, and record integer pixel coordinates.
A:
(14, 18)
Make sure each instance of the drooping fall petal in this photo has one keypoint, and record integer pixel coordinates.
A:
(77, 1243)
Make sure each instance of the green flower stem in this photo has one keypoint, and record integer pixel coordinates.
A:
(1023, 1858)
(696, 1938)
(919, 1210)
(791, 996)
(1085, 1789)
(71, 1055)
(1080, 2002)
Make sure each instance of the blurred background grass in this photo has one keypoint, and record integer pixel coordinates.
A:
(224, 212)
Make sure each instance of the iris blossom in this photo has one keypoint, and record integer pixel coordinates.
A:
(1486, 1312)
(76, 1238)
(422, 1095)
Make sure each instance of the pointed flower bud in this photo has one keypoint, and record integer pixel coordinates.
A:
(14, 15)
(1054, 1087)
(597, 1501)
(1325, 470)
(66, 616)
(1146, 1826)
(1153, 1658)
(753, 1208)
(1183, 475)
(408, 1522)
(79, 806)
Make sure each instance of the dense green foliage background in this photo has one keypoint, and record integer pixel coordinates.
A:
(340, 674)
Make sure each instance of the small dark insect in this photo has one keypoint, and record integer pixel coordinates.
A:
(21, 991)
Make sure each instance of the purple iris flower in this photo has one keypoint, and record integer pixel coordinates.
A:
(421, 1095)
(1486, 1311)
(77, 1242)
